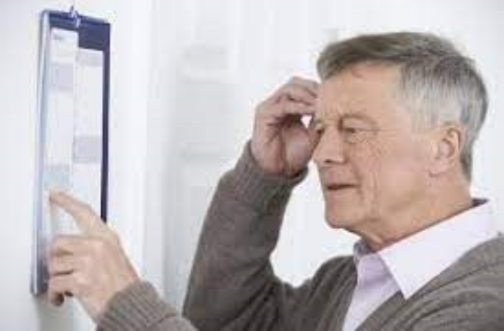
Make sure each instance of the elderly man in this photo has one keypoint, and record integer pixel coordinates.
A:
(392, 129)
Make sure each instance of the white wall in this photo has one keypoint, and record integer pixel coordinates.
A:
(214, 61)
(19, 35)
(186, 77)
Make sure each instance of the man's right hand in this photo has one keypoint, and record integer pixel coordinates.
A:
(281, 143)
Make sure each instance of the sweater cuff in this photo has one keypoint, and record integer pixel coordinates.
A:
(253, 186)
(137, 307)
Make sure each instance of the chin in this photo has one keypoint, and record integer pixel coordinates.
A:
(339, 220)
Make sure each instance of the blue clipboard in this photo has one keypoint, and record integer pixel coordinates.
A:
(93, 35)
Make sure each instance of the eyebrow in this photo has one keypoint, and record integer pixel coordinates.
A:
(357, 116)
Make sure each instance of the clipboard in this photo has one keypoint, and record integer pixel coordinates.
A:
(72, 126)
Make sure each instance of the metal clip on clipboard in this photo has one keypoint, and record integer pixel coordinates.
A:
(75, 16)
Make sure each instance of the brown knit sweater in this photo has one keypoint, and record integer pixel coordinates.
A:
(233, 286)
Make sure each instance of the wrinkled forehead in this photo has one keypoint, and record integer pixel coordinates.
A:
(364, 89)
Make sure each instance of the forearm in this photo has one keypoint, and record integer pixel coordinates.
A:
(231, 269)
(232, 277)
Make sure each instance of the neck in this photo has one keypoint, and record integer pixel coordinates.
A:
(436, 208)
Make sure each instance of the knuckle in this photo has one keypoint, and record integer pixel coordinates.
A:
(298, 80)
(58, 244)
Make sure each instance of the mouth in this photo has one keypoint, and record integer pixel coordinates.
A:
(339, 187)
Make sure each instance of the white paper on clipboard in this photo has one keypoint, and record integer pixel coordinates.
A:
(70, 124)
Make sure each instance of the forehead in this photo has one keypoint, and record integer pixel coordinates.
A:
(365, 90)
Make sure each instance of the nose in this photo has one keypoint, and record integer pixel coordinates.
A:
(330, 149)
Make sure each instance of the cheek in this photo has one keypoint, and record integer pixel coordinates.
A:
(389, 173)
(368, 162)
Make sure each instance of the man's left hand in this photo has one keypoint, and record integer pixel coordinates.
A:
(92, 266)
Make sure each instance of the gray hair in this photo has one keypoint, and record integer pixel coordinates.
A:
(438, 83)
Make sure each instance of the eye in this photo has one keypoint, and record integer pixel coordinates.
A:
(355, 131)
(351, 130)
(317, 127)
(355, 125)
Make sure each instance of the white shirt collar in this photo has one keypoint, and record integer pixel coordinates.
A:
(417, 259)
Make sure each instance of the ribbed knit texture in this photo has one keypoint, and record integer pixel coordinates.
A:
(233, 286)
(139, 307)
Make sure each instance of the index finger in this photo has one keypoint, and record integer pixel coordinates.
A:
(83, 214)
(310, 85)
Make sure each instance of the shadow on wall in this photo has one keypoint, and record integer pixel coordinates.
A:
(64, 317)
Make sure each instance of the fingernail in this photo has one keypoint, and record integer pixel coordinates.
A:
(56, 299)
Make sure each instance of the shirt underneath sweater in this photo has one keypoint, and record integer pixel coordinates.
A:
(233, 286)
(383, 273)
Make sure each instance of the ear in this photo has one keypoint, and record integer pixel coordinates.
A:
(447, 141)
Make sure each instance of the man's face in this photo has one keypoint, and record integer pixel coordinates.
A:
(372, 165)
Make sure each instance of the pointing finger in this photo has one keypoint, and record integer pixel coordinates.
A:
(84, 216)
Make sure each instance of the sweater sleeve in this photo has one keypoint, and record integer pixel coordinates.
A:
(139, 308)
(232, 284)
